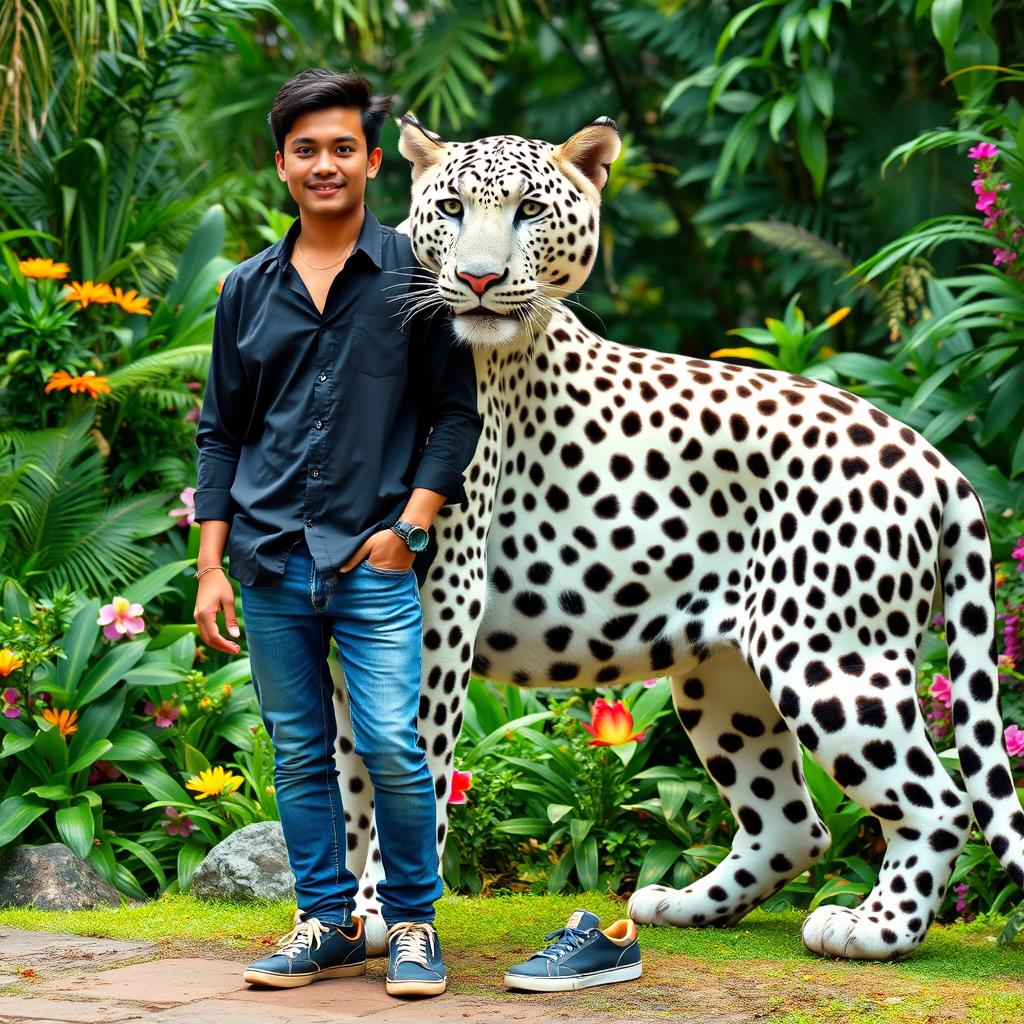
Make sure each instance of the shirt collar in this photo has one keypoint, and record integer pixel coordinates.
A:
(369, 241)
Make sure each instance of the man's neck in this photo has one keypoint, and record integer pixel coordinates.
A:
(325, 236)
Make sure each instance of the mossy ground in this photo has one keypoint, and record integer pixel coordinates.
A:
(759, 970)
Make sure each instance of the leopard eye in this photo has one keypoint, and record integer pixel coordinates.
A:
(531, 208)
(452, 207)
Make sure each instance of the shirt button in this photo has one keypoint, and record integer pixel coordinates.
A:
(323, 376)
(319, 424)
(309, 523)
(316, 473)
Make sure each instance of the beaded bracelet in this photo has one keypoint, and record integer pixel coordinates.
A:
(196, 575)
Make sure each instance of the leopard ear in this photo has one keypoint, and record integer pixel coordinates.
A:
(422, 148)
(592, 150)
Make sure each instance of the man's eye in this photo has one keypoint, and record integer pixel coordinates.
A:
(530, 208)
(452, 207)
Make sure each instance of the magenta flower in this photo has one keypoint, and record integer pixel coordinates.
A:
(1018, 553)
(187, 513)
(178, 824)
(1014, 738)
(461, 783)
(983, 151)
(940, 690)
(10, 698)
(165, 713)
(121, 618)
(986, 199)
(648, 683)
(1001, 256)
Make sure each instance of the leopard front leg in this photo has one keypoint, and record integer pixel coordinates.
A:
(755, 761)
(453, 604)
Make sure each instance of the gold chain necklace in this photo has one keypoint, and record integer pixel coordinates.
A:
(347, 252)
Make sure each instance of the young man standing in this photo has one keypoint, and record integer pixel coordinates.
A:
(316, 469)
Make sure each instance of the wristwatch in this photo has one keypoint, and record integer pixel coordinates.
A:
(415, 537)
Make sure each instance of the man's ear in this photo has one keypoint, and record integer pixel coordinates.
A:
(592, 150)
(422, 148)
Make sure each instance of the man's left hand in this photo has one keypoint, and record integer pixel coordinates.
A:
(385, 549)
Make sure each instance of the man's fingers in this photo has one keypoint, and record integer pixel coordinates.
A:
(355, 559)
(210, 634)
(230, 619)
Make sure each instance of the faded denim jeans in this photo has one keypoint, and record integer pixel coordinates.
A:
(376, 619)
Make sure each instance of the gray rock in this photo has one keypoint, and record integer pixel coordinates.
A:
(52, 877)
(251, 863)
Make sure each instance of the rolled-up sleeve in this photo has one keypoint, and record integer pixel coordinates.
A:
(223, 419)
(448, 376)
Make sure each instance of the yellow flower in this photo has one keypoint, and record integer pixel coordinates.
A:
(205, 702)
(63, 719)
(213, 782)
(132, 302)
(87, 382)
(839, 315)
(85, 292)
(46, 269)
(9, 661)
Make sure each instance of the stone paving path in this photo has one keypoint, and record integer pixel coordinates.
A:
(47, 977)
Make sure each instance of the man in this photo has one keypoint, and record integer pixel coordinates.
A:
(315, 466)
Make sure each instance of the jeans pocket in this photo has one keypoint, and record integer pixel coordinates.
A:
(385, 572)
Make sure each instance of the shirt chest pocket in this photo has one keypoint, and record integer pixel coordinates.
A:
(380, 346)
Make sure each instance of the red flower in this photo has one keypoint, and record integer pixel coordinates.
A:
(612, 724)
(461, 781)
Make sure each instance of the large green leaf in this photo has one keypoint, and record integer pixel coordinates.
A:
(76, 827)
(77, 644)
(109, 670)
(16, 814)
(660, 857)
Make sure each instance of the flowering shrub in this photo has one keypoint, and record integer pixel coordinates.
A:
(999, 218)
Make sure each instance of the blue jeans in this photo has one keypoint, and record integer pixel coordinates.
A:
(377, 622)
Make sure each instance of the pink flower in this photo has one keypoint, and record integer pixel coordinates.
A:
(187, 513)
(940, 690)
(461, 781)
(986, 199)
(178, 824)
(648, 683)
(120, 618)
(983, 151)
(939, 621)
(1014, 738)
(166, 713)
(1018, 553)
(10, 698)
(1000, 256)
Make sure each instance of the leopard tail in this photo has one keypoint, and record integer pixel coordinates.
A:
(968, 587)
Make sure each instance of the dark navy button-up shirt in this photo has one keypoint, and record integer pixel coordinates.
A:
(320, 426)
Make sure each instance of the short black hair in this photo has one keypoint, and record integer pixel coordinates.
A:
(317, 89)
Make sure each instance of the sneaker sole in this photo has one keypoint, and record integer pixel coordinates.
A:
(272, 980)
(612, 975)
(415, 988)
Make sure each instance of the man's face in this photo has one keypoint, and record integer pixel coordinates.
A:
(325, 163)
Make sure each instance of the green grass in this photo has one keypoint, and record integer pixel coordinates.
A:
(759, 970)
(503, 926)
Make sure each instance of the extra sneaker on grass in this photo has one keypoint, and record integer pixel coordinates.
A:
(310, 951)
(415, 967)
(582, 955)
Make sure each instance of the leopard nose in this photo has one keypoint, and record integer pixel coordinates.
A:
(480, 282)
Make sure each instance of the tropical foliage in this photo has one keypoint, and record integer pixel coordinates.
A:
(848, 175)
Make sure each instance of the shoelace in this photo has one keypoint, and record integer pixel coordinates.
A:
(305, 935)
(414, 940)
(566, 940)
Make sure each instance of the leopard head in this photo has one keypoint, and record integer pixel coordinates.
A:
(504, 226)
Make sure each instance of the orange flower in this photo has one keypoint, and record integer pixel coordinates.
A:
(84, 292)
(45, 269)
(132, 302)
(613, 724)
(9, 661)
(838, 316)
(64, 720)
(87, 382)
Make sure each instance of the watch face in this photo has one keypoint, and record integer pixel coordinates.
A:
(418, 538)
